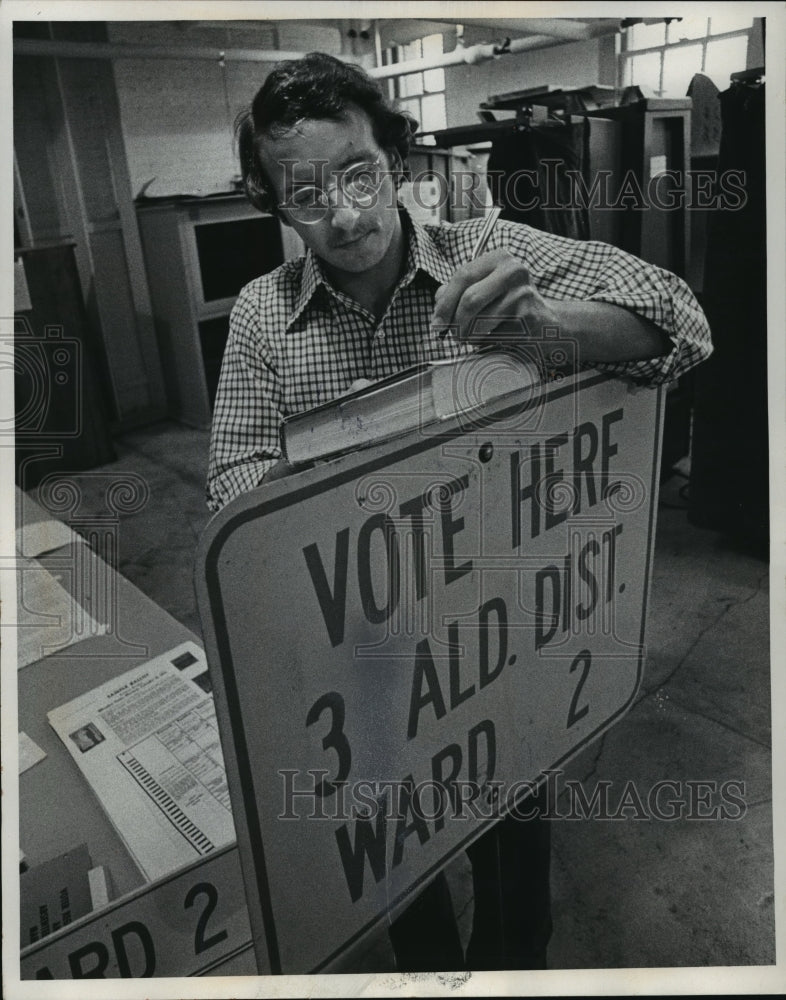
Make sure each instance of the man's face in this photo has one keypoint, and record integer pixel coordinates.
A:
(352, 235)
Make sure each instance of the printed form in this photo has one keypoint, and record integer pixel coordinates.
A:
(148, 744)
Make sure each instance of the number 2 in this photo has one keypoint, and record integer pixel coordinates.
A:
(202, 943)
(575, 714)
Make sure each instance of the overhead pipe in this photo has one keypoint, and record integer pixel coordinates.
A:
(557, 27)
(470, 55)
(111, 50)
(563, 28)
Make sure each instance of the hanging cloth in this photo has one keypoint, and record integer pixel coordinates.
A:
(527, 176)
(729, 464)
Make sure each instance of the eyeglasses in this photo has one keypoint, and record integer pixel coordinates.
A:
(359, 184)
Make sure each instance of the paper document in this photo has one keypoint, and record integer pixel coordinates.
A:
(148, 744)
(48, 619)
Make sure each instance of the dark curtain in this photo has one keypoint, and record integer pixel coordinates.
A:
(729, 456)
(547, 151)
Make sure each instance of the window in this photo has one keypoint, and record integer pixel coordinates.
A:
(664, 57)
(422, 93)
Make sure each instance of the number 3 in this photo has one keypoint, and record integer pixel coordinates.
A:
(335, 739)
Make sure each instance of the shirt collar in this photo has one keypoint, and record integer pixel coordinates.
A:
(310, 279)
(422, 254)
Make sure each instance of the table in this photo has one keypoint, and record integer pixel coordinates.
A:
(57, 809)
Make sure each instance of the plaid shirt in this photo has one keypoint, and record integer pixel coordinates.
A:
(295, 342)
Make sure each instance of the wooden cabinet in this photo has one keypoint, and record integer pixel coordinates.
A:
(199, 252)
(654, 156)
(72, 184)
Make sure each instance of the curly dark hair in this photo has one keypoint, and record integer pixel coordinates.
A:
(318, 87)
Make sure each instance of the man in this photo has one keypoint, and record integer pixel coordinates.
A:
(322, 149)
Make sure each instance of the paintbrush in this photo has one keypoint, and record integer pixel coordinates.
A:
(480, 244)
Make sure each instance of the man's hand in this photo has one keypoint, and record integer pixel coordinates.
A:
(498, 288)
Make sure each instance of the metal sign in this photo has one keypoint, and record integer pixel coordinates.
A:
(405, 639)
(184, 925)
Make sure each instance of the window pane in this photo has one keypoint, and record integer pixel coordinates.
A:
(724, 58)
(434, 79)
(432, 45)
(645, 71)
(645, 36)
(729, 22)
(433, 110)
(687, 27)
(679, 66)
(411, 84)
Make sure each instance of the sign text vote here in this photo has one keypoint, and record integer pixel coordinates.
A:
(426, 638)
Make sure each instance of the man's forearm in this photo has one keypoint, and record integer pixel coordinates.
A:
(606, 332)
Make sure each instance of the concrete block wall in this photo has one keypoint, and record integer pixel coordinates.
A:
(177, 115)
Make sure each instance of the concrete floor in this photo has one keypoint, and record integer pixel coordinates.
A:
(627, 893)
